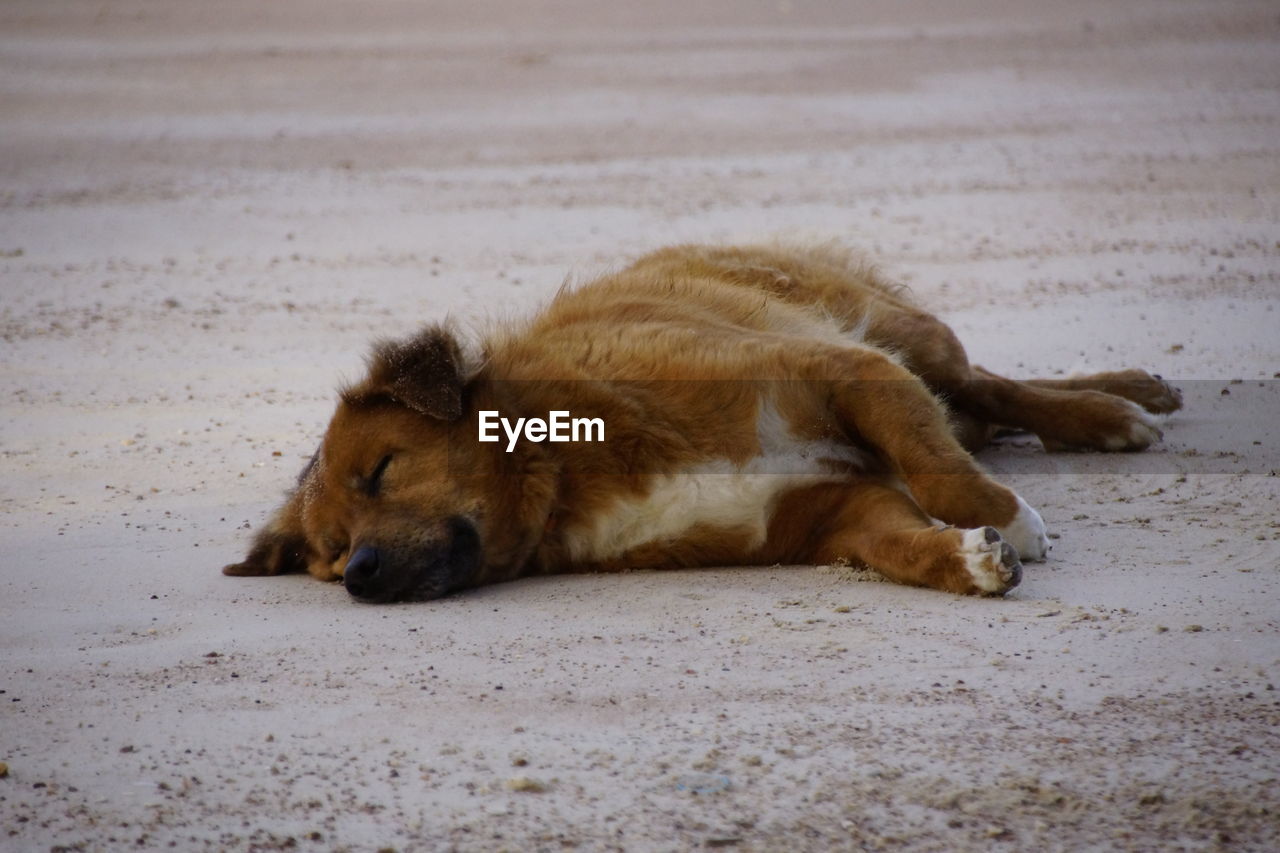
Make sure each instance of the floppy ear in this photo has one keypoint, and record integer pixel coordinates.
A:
(424, 372)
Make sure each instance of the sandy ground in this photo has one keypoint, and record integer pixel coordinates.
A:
(208, 209)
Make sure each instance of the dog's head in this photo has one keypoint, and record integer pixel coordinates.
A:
(402, 502)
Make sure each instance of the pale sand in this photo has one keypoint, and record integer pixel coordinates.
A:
(209, 209)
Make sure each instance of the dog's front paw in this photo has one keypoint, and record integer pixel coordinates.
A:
(991, 562)
(1027, 533)
(272, 553)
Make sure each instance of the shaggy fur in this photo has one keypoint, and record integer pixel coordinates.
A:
(762, 405)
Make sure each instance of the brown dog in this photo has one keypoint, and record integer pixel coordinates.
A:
(737, 406)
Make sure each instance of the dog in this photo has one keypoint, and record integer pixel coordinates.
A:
(750, 405)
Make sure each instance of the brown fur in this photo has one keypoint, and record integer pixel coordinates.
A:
(681, 354)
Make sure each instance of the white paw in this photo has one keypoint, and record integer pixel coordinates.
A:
(991, 562)
(1143, 431)
(1027, 533)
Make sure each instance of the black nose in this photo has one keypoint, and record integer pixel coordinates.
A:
(361, 574)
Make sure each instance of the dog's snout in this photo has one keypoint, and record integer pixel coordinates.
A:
(361, 574)
(383, 570)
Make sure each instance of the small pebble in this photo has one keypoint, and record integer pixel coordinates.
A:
(525, 784)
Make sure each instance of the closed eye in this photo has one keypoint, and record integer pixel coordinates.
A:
(374, 481)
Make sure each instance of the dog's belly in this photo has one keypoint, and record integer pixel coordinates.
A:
(714, 496)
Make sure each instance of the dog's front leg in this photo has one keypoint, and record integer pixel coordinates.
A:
(278, 547)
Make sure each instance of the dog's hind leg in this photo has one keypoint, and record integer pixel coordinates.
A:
(880, 526)
(1150, 392)
(1071, 414)
(886, 406)
(1106, 411)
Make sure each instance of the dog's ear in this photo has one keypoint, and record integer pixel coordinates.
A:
(425, 372)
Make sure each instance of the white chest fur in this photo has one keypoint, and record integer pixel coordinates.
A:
(716, 493)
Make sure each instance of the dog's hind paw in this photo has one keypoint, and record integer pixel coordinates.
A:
(1149, 391)
(1027, 533)
(1100, 421)
(991, 562)
(1142, 432)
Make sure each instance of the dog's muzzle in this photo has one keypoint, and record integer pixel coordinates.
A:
(378, 574)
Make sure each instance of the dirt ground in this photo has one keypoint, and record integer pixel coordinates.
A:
(207, 211)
